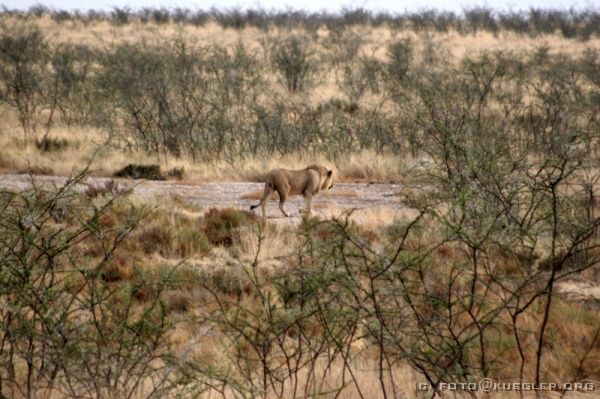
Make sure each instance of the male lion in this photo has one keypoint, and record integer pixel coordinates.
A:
(308, 182)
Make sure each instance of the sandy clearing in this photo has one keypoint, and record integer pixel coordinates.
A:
(382, 200)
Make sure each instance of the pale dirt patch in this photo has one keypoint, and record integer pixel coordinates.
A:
(341, 193)
(375, 203)
(257, 195)
(579, 290)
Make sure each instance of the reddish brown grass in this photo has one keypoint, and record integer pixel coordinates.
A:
(119, 269)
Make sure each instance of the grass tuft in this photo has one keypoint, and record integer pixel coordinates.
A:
(221, 225)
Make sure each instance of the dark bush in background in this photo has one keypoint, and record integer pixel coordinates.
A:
(26, 84)
(292, 59)
(581, 23)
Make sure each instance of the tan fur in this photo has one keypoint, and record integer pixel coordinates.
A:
(306, 182)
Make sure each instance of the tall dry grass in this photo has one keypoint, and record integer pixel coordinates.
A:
(100, 33)
(90, 148)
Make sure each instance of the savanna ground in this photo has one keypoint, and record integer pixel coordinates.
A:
(459, 242)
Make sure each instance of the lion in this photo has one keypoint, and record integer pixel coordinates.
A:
(308, 182)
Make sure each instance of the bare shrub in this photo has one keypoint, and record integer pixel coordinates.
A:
(26, 83)
(291, 58)
(55, 290)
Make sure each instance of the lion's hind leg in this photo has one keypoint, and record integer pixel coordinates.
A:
(283, 194)
(263, 201)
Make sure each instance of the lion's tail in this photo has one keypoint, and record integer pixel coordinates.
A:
(269, 187)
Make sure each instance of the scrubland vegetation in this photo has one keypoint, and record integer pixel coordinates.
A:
(229, 103)
(494, 123)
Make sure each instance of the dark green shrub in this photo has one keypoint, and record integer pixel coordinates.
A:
(76, 98)
(39, 10)
(514, 21)
(481, 18)
(62, 16)
(161, 15)
(181, 15)
(135, 171)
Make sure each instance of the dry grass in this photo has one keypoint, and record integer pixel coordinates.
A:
(120, 268)
(277, 242)
(341, 194)
(368, 166)
(14, 159)
(222, 226)
(367, 380)
(369, 218)
(86, 148)
(100, 33)
(179, 301)
(109, 187)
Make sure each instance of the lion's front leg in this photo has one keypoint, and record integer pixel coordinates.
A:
(308, 202)
(282, 197)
